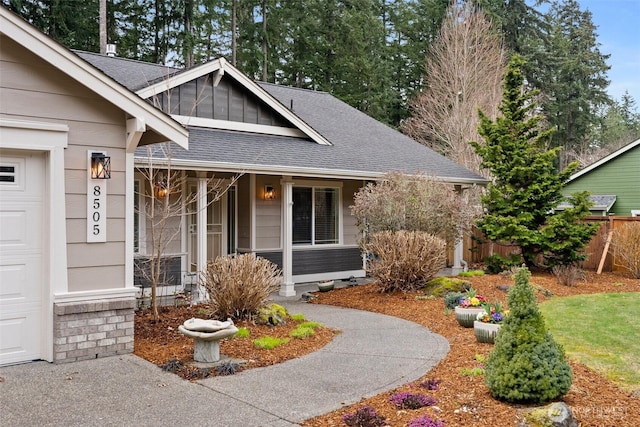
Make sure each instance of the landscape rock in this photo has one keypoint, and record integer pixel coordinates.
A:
(557, 414)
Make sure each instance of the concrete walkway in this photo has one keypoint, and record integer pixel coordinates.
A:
(374, 353)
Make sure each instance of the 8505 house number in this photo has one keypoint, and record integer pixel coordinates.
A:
(96, 210)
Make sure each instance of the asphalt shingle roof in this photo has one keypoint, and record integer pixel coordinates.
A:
(360, 144)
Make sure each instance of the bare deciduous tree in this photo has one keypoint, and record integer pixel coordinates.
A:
(464, 72)
(166, 202)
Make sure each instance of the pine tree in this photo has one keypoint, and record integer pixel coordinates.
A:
(526, 364)
(519, 204)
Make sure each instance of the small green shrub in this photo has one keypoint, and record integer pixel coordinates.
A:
(311, 324)
(301, 332)
(297, 317)
(471, 273)
(497, 264)
(404, 260)
(526, 364)
(273, 314)
(269, 343)
(239, 285)
(452, 299)
(441, 286)
(242, 333)
(472, 372)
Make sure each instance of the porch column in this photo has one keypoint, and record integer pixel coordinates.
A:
(287, 288)
(201, 226)
(459, 244)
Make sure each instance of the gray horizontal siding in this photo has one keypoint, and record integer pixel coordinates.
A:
(319, 260)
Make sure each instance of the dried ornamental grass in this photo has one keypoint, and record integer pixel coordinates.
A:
(626, 243)
(405, 260)
(238, 286)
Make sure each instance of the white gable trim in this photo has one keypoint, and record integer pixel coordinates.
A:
(75, 67)
(604, 160)
(239, 126)
(221, 66)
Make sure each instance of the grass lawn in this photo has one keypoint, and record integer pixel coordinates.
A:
(601, 331)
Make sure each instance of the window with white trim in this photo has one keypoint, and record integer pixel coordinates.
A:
(316, 215)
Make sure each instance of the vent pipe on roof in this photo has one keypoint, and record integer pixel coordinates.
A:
(111, 50)
(291, 107)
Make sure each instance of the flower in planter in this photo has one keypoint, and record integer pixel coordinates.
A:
(471, 300)
(492, 313)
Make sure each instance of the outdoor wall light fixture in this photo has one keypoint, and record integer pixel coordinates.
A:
(100, 166)
(269, 192)
(161, 188)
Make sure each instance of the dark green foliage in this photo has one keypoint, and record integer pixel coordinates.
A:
(520, 202)
(452, 299)
(526, 365)
(497, 263)
(227, 368)
(442, 286)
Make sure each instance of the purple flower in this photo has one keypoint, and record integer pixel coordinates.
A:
(497, 317)
(426, 421)
(411, 400)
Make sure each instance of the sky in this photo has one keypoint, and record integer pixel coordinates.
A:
(618, 29)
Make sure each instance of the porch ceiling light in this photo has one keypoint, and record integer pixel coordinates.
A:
(269, 192)
(100, 166)
(161, 188)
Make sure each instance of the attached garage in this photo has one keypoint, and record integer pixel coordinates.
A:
(21, 255)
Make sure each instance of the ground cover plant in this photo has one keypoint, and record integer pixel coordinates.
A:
(600, 331)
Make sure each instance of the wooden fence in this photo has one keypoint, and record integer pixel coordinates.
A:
(476, 250)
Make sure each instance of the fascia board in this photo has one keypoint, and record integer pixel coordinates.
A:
(75, 67)
(604, 160)
(279, 170)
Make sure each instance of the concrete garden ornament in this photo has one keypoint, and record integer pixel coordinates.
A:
(207, 335)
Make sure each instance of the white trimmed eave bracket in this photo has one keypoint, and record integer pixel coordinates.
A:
(135, 128)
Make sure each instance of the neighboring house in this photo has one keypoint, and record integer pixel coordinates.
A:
(613, 181)
(303, 154)
(66, 284)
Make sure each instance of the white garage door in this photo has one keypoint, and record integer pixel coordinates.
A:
(21, 246)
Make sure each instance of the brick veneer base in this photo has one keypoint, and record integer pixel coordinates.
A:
(88, 330)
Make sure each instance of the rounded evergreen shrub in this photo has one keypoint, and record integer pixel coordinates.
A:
(526, 365)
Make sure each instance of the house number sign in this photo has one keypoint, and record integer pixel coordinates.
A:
(96, 207)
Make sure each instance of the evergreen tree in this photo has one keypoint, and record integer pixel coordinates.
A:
(526, 364)
(519, 204)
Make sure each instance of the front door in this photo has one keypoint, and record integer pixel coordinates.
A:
(220, 227)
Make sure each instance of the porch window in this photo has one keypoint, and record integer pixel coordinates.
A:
(315, 215)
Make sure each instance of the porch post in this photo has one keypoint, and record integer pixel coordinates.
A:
(459, 244)
(201, 226)
(287, 288)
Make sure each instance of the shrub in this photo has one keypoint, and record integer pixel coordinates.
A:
(411, 400)
(471, 273)
(227, 368)
(405, 260)
(365, 416)
(312, 325)
(425, 421)
(301, 332)
(497, 263)
(568, 275)
(269, 343)
(626, 244)
(452, 299)
(400, 202)
(430, 384)
(440, 286)
(242, 333)
(238, 286)
(297, 317)
(526, 364)
(273, 314)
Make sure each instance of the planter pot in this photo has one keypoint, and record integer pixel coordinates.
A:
(467, 315)
(325, 286)
(485, 332)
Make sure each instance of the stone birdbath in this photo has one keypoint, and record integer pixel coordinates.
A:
(207, 335)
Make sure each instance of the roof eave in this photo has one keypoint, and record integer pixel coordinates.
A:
(604, 160)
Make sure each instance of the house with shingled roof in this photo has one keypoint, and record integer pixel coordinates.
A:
(302, 156)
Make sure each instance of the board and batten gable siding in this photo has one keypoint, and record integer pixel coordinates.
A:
(31, 89)
(619, 176)
(227, 101)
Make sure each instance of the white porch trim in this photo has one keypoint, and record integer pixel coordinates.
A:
(287, 288)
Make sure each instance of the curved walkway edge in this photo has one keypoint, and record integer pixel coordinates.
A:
(373, 353)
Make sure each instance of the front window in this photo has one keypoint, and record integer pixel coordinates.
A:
(315, 215)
